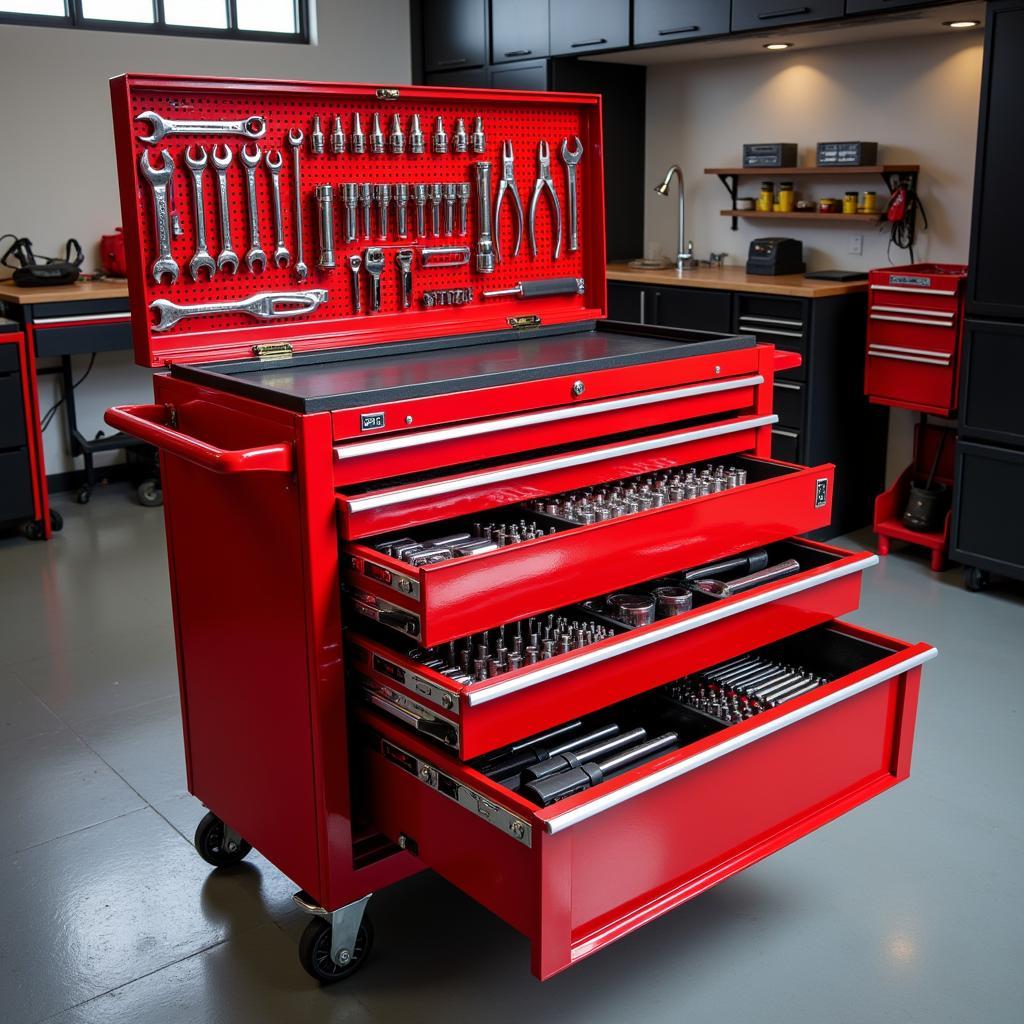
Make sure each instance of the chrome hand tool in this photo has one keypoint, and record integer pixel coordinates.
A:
(460, 140)
(448, 191)
(462, 191)
(176, 229)
(158, 178)
(404, 260)
(439, 140)
(720, 589)
(373, 260)
(357, 140)
(435, 209)
(574, 759)
(227, 257)
(295, 141)
(253, 127)
(507, 186)
(401, 196)
(752, 562)
(355, 261)
(417, 144)
(538, 289)
(255, 254)
(376, 136)
(316, 137)
(337, 135)
(274, 162)
(536, 753)
(444, 256)
(571, 158)
(447, 297)
(396, 139)
(484, 245)
(382, 193)
(544, 183)
(477, 141)
(262, 306)
(366, 204)
(325, 205)
(419, 194)
(202, 260)
(350, 194)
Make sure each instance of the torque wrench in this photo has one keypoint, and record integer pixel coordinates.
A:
(281, 256)
(202, 260)
(752, 562)
(538, 289)
(355, 261)
(722, 589)
(158, 178)
(262, 306)
(569, 759)
(253, 127)
(295, 141)
(325, 205)
(484, 244)
(227, 257)
(255, 255)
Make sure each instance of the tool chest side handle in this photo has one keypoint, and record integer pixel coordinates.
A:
(146, 422)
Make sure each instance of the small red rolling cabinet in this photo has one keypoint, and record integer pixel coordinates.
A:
(316, 727)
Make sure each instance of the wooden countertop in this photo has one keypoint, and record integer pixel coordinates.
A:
(736, 279)
(80, 291)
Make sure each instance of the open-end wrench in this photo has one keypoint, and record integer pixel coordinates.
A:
(202, 260)
(274, 161)
(228, 257)
(373, 260)
(355, 261)
(158, 178)
(253, 127)
(255, 254)
(295, 141)
(262, 306)
(571, 157)
(404, 260)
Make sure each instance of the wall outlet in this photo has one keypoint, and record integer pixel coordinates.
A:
(856, 246)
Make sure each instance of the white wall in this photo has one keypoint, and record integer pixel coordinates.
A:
(917, 98)
(57, 175)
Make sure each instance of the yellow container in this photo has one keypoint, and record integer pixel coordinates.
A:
(766, 200)
(787, 197)
(850, 202)
(870, 202)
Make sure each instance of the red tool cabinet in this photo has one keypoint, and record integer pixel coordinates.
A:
(315, 730)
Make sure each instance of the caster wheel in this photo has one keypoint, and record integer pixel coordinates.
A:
(315, 951)
(209, 843)
(975, 579)
(150, 494)
(32, 530)
(56, 520)
(83, 495)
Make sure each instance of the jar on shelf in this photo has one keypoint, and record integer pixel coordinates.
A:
(850, 202)
(787, 197)
(766, 200)
(870, 202)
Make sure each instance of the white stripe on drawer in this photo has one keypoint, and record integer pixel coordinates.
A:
(915, 311)
(56, 321)
(771, 320)
(399, 496)
(902, 357)
(629, 641)
(933, 353)
(912, 291)
(680, 768)
(395, 443)
(910, 320)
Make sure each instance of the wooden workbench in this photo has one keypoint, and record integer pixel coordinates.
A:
(80, 291)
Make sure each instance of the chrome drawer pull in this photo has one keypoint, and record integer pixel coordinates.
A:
(784, 432)
(944, 363)
(675, 771)
(786, 386)
(778, 321)
(56, 321)
(771, 330)
(909, 320)
(912, 291)
(950, 314)
(875, 347)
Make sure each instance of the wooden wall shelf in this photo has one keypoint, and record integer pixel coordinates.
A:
(810, 217)
(782, 172)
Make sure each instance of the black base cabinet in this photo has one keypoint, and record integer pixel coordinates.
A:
(16, 504)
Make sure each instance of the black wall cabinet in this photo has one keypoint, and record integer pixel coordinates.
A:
(454, 34)
(519, 29)
(675, 21)
(766, 14)
(583, 26)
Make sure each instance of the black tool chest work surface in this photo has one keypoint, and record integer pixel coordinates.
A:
(341, 380)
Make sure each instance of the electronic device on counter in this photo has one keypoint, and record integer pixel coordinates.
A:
(769, 154)
(771, 256)
(847, 154)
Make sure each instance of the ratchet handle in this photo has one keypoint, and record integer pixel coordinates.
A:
(552, 286)
(148, 423)
(768, 575)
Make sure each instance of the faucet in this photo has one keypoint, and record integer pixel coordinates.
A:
(684, 256)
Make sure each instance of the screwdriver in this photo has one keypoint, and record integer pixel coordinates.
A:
(558, 763)
(538, 289)
(537, 752)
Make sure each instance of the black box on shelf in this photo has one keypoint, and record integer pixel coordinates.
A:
(769, 154)
(847, 154)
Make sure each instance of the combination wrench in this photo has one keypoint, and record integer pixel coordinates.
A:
(262, 306)
(202, 260)
(572, 157)
(295, 141)
(274, 161)
(228, 257)
(255, 254)
(159, 178)
(253, 127)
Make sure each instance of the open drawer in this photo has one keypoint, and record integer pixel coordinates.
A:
(578, 874)
(475, 717)
(449, 599)
(379, 507)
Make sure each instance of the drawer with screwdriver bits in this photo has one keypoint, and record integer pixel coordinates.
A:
(469, 572)
(475, 690)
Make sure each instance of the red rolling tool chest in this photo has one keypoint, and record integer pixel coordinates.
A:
(423, 556)
(915, 332)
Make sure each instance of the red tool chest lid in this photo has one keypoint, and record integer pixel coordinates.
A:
(201, 114)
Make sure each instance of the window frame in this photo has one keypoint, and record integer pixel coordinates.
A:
(74, 18)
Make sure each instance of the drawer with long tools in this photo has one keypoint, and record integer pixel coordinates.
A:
(366, 510)
(486, 689)
(444, 580)
(586, 829)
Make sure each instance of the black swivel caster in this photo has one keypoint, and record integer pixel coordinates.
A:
(150, 494)
(976, 579)
(83, 494)
(56, 520)
(217, 844)
(315, 951)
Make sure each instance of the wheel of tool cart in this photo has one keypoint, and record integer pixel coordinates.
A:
(83, 495)
(32, 529)
(975, 579)
(56, 520)
(150, 493)
(210, 843)
(315, 951)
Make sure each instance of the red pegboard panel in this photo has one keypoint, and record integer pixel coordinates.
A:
(523, 118)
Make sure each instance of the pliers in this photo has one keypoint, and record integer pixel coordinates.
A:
(508, 184)
(544, 179)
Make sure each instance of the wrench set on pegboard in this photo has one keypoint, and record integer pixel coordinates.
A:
(300, 207)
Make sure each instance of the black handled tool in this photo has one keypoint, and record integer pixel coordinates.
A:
(537, 752)
(496, 756)
(560, 762)
(752, 562)
(538, 289)
(576, 780)
(720, 588)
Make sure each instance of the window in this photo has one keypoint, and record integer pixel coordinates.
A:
(285, 21)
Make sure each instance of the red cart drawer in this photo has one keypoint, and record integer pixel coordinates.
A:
(479, 716)
(578, 874)
(464, 595)
(912, 378)
(431, 498)
(414, 451)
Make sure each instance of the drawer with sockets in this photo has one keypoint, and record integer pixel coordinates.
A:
(588, 826)
(515, 677)
(444, 580)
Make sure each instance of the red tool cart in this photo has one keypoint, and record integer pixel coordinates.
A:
(451, 579)
(915, 331)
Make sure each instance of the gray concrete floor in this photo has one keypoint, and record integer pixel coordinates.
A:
(907, 909)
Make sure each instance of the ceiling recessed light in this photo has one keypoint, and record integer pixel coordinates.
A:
(961, 24)
(777, 46)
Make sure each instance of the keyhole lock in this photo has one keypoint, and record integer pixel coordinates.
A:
(578, 387)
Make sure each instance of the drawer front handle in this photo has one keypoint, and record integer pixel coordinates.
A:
(518, 53)
(909, 320)
(787, 12)
(875, 354)
(470, 480)
(771, 330)
(917, 656)
(589, 42)
(774, 320)
(678, 31)
(913, 291)
(949, 314)
(626, 643)
(784, 433)
(453, 63)
(82, 318)
(786, 386)
(875, 347)
(388, 444)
